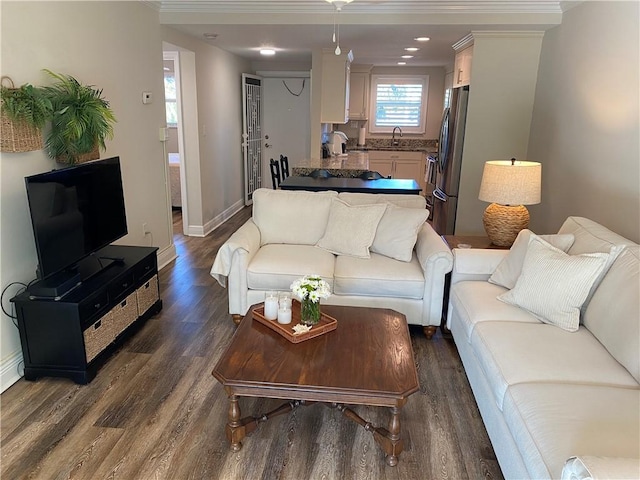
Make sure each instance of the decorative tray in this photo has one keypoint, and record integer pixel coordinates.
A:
(326, 324)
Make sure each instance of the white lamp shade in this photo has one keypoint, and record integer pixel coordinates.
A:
(511, 183)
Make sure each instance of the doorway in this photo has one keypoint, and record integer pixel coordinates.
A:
(286, 119)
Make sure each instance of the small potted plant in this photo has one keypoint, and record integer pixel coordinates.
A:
(25, 110)
(82, 120)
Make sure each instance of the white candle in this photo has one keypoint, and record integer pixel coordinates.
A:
(271, 308)
(284, 315)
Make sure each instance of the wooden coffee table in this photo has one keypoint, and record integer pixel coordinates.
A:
(367, 360)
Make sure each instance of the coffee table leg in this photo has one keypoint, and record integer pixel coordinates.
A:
(235, 430)
(390, 440)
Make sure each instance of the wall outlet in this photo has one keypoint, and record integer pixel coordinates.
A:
(147, 97)
(145, 229)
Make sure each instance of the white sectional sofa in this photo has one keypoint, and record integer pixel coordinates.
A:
(556, 403)
(374, 250)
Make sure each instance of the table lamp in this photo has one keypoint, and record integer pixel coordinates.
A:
(509, 185)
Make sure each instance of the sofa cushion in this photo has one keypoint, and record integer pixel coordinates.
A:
(407, 201)
(552, 422)
(590, 236)
(511, 353)
(473, 302)
(378, 276)
(275, 267)
(351, 228)
(508, 271)
(553, 285)
(613, 315)
(398, 231)
(294, 218)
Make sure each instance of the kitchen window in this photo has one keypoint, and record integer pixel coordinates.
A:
(171, 100)
(399, 101)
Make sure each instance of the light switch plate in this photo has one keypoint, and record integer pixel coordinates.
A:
(147, 97)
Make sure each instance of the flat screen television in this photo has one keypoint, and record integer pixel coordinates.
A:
(75, 212)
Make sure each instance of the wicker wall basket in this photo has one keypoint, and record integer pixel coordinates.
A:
(94, 154)
(18, 136)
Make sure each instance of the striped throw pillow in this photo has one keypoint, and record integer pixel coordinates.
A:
(553, 285)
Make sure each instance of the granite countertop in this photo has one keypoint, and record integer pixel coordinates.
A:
(404, 145)
(351, 164)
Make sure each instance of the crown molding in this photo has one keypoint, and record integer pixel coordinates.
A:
(359, 6)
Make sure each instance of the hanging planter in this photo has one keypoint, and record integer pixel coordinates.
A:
(82, 120)
(23, 113)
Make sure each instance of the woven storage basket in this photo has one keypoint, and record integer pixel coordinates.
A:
(17, 135)
(124, 314)
(98, 336)
(147, 295)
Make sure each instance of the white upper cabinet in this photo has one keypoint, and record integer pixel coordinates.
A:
(359, 94)
(462, 65)
(336, 72)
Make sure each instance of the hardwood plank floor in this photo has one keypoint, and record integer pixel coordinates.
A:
(154, 411)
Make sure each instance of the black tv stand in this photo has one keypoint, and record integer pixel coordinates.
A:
(73, 336)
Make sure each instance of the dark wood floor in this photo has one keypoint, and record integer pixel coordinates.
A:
(155, 412)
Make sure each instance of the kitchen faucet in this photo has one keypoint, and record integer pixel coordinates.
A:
(395, 142)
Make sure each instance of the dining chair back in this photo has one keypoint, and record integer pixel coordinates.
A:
(284, 167)
(275, 173)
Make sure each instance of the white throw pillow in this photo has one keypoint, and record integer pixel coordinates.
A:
(398, 232)
(351, 229)
(553, 285)
(508, 270)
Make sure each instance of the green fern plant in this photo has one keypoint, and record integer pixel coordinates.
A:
(82, 118)
(26, 103)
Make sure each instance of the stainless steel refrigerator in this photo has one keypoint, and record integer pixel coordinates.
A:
(444, 169)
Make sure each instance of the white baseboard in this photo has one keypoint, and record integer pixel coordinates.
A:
(210, 226)
(166, 256)
(9, 370)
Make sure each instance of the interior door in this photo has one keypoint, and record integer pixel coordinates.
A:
(286, 124)
(252, 134)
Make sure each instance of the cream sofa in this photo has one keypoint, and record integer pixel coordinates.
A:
(556, 403)
(280, 244)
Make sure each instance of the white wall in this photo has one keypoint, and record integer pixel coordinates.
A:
(219, 94)
(117, 47)
(585, 127)
(501, 96)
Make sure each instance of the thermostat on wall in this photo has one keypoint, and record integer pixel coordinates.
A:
(147, 97)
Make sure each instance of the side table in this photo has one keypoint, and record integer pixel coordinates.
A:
(461, 241)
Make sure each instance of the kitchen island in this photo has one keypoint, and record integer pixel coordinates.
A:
(349, 165)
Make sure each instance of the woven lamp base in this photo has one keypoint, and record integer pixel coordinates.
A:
(503, 223)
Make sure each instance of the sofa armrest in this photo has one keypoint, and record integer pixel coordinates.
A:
(594, 468)
(432, 250)
(436, 261)
(475, 264)
(236, 252)
(232, 262)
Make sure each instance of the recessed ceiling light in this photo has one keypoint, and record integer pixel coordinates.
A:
(402, 63)
(412, 49)
(407, 56)
(422, 39)
(267, 51)
(210, 36)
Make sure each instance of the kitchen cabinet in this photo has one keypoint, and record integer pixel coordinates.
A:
(336, 73)
(399, 164)
(359, 96)
(462, 64)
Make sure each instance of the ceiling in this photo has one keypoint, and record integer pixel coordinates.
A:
(377, 31)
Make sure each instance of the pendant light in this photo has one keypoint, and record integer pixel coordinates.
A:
(336, 38)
